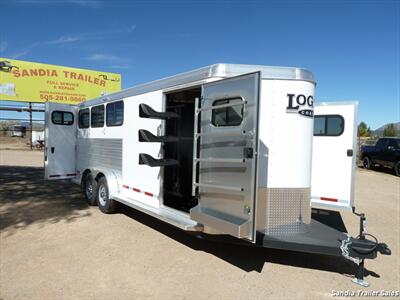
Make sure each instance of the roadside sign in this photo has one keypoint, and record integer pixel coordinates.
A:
(37, 82)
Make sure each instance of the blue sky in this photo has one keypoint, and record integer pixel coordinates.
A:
(352, 47)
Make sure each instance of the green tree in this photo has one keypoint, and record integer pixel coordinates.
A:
(364, 130)
(389, 130)
(5, 126)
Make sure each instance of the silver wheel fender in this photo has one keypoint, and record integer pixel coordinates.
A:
(113, 183)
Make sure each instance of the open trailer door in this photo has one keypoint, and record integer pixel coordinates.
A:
(334, 155)
(60, 141)
(225, 155)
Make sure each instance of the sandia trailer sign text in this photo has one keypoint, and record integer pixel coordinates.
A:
(35, 82)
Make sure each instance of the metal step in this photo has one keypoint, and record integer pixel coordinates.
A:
(146, 111)
(223, 222)
(221, 160)
(218, 186)
(146, 159)
(147, 136)
(166, 214)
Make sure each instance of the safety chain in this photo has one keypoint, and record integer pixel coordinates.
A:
(345, 250)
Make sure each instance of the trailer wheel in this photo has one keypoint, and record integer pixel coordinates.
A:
(89, 187)
(366, 163)
(397, 168)
(104, 202)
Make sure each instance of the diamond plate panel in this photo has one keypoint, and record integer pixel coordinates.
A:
(286, 210)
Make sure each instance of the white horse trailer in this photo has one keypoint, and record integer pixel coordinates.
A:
(18, 131)
(224, 150)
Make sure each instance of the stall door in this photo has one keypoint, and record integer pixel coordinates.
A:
(60, 141)
(225, 155)
(334, 155)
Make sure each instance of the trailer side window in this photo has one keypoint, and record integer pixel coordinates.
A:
(84, 118)
(319, 125)
(97, 119)
(328, 125)
(115, 113)
(231, 115)
(62, 117)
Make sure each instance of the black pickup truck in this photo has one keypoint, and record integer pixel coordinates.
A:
(385, 153)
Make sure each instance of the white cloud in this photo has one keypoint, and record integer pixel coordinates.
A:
(3, 46)
(86, 36)
(63, 40)
(97, 35)
(119, 67)
(106, 57)
(20, 54)
(85, 3)
(88, 3)
(131, 28)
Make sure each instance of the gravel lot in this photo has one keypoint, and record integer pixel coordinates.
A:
(53, 246)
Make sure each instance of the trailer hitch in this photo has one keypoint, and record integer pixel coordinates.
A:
(360, 248)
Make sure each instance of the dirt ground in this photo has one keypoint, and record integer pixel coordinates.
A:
(53, 246)
(14, 143)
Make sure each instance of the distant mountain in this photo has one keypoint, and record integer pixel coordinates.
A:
(379, 131)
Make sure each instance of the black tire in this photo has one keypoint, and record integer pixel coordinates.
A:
(104, 202)
(397, 168)
(89, 188)
(366, 163)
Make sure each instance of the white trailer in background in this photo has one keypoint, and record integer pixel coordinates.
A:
(37, 136)
(224, 150)
(18, 131)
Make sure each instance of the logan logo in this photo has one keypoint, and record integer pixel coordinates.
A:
(300, 104)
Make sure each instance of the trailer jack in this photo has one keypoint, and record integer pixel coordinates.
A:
(360, 248)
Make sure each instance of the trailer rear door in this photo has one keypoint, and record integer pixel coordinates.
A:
(225, 155)
(334, 155)
(60, 141)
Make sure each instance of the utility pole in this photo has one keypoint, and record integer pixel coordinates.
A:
(30, 124)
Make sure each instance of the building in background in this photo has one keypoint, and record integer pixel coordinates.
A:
(18, 131)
